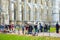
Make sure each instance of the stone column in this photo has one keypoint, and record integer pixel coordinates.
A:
(49, 11)
(0, 11)
(55, 14)
(44, 14)
(5, 11)
(39, 10)
(25, 13)
(19, 11)
(32, 17)
(11, 14)
(7, 14)
(31, 14)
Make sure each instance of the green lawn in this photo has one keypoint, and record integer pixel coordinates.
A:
(20, 37)
(24, 37)
(52, 29)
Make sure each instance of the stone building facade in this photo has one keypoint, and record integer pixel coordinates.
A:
(17, 11)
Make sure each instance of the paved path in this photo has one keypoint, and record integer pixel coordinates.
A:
(42, 34)
(49, 34)
(45, 34)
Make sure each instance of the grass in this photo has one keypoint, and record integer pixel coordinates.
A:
(24, 37)
(52, 29)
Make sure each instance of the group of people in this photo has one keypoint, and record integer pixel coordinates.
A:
(29, 28)
(6, 28)
(35, 28)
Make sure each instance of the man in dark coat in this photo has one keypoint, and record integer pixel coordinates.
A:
(48, 28)
(36, 28)
(45, 28)
(23, 26)
(57, 27)
(41, 27)
(30, 29)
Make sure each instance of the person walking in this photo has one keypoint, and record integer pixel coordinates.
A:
(23, 26)
(30, 29)
(41, 28)
(26, 27)
(45, 28)
(36, 28)
(57, 27)
(48, 28)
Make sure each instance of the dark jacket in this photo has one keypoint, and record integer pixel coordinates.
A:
(57, 26)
